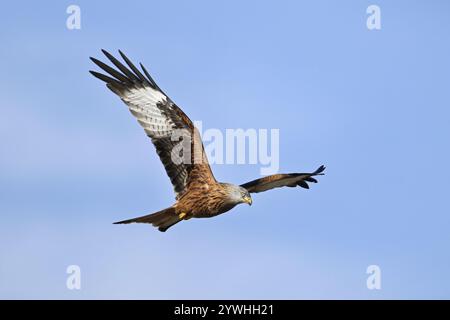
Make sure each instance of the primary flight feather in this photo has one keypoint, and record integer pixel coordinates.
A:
(198, 194)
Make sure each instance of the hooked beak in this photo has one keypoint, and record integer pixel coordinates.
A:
(248, 200)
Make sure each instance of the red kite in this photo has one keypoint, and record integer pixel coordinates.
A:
(198, 193)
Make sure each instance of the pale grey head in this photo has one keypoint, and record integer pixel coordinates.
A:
(237, 194)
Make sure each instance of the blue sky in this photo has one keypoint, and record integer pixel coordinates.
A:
(373, 106)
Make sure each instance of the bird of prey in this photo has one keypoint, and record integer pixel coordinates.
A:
(198, 193)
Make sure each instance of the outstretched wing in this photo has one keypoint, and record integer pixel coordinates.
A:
(283, 180)
(169, 128)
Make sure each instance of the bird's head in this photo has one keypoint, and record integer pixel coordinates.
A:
(238, 195)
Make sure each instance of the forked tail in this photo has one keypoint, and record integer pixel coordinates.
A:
(163, 219)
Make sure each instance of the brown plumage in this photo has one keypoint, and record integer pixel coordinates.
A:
(197, 192)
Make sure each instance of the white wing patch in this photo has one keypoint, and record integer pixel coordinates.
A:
(142, 103)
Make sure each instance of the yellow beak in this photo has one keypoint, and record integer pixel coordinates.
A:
(248, 200)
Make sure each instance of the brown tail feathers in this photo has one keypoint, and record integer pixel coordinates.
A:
(163, 219)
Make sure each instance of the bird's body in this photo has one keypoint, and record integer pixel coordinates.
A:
(198, 193)
(205, 201)
(202, 201)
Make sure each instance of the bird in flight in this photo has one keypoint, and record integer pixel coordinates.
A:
(198, 194)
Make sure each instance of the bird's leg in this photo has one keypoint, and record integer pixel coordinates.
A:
(182, 215)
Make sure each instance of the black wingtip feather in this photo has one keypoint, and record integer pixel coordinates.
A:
(303, 184)
(125, 76)
(152, 82)
(133, 67)
(109, 81)
(132, 77)
(119, 76)
(319, 170)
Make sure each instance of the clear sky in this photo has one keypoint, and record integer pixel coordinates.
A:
(373, 106)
